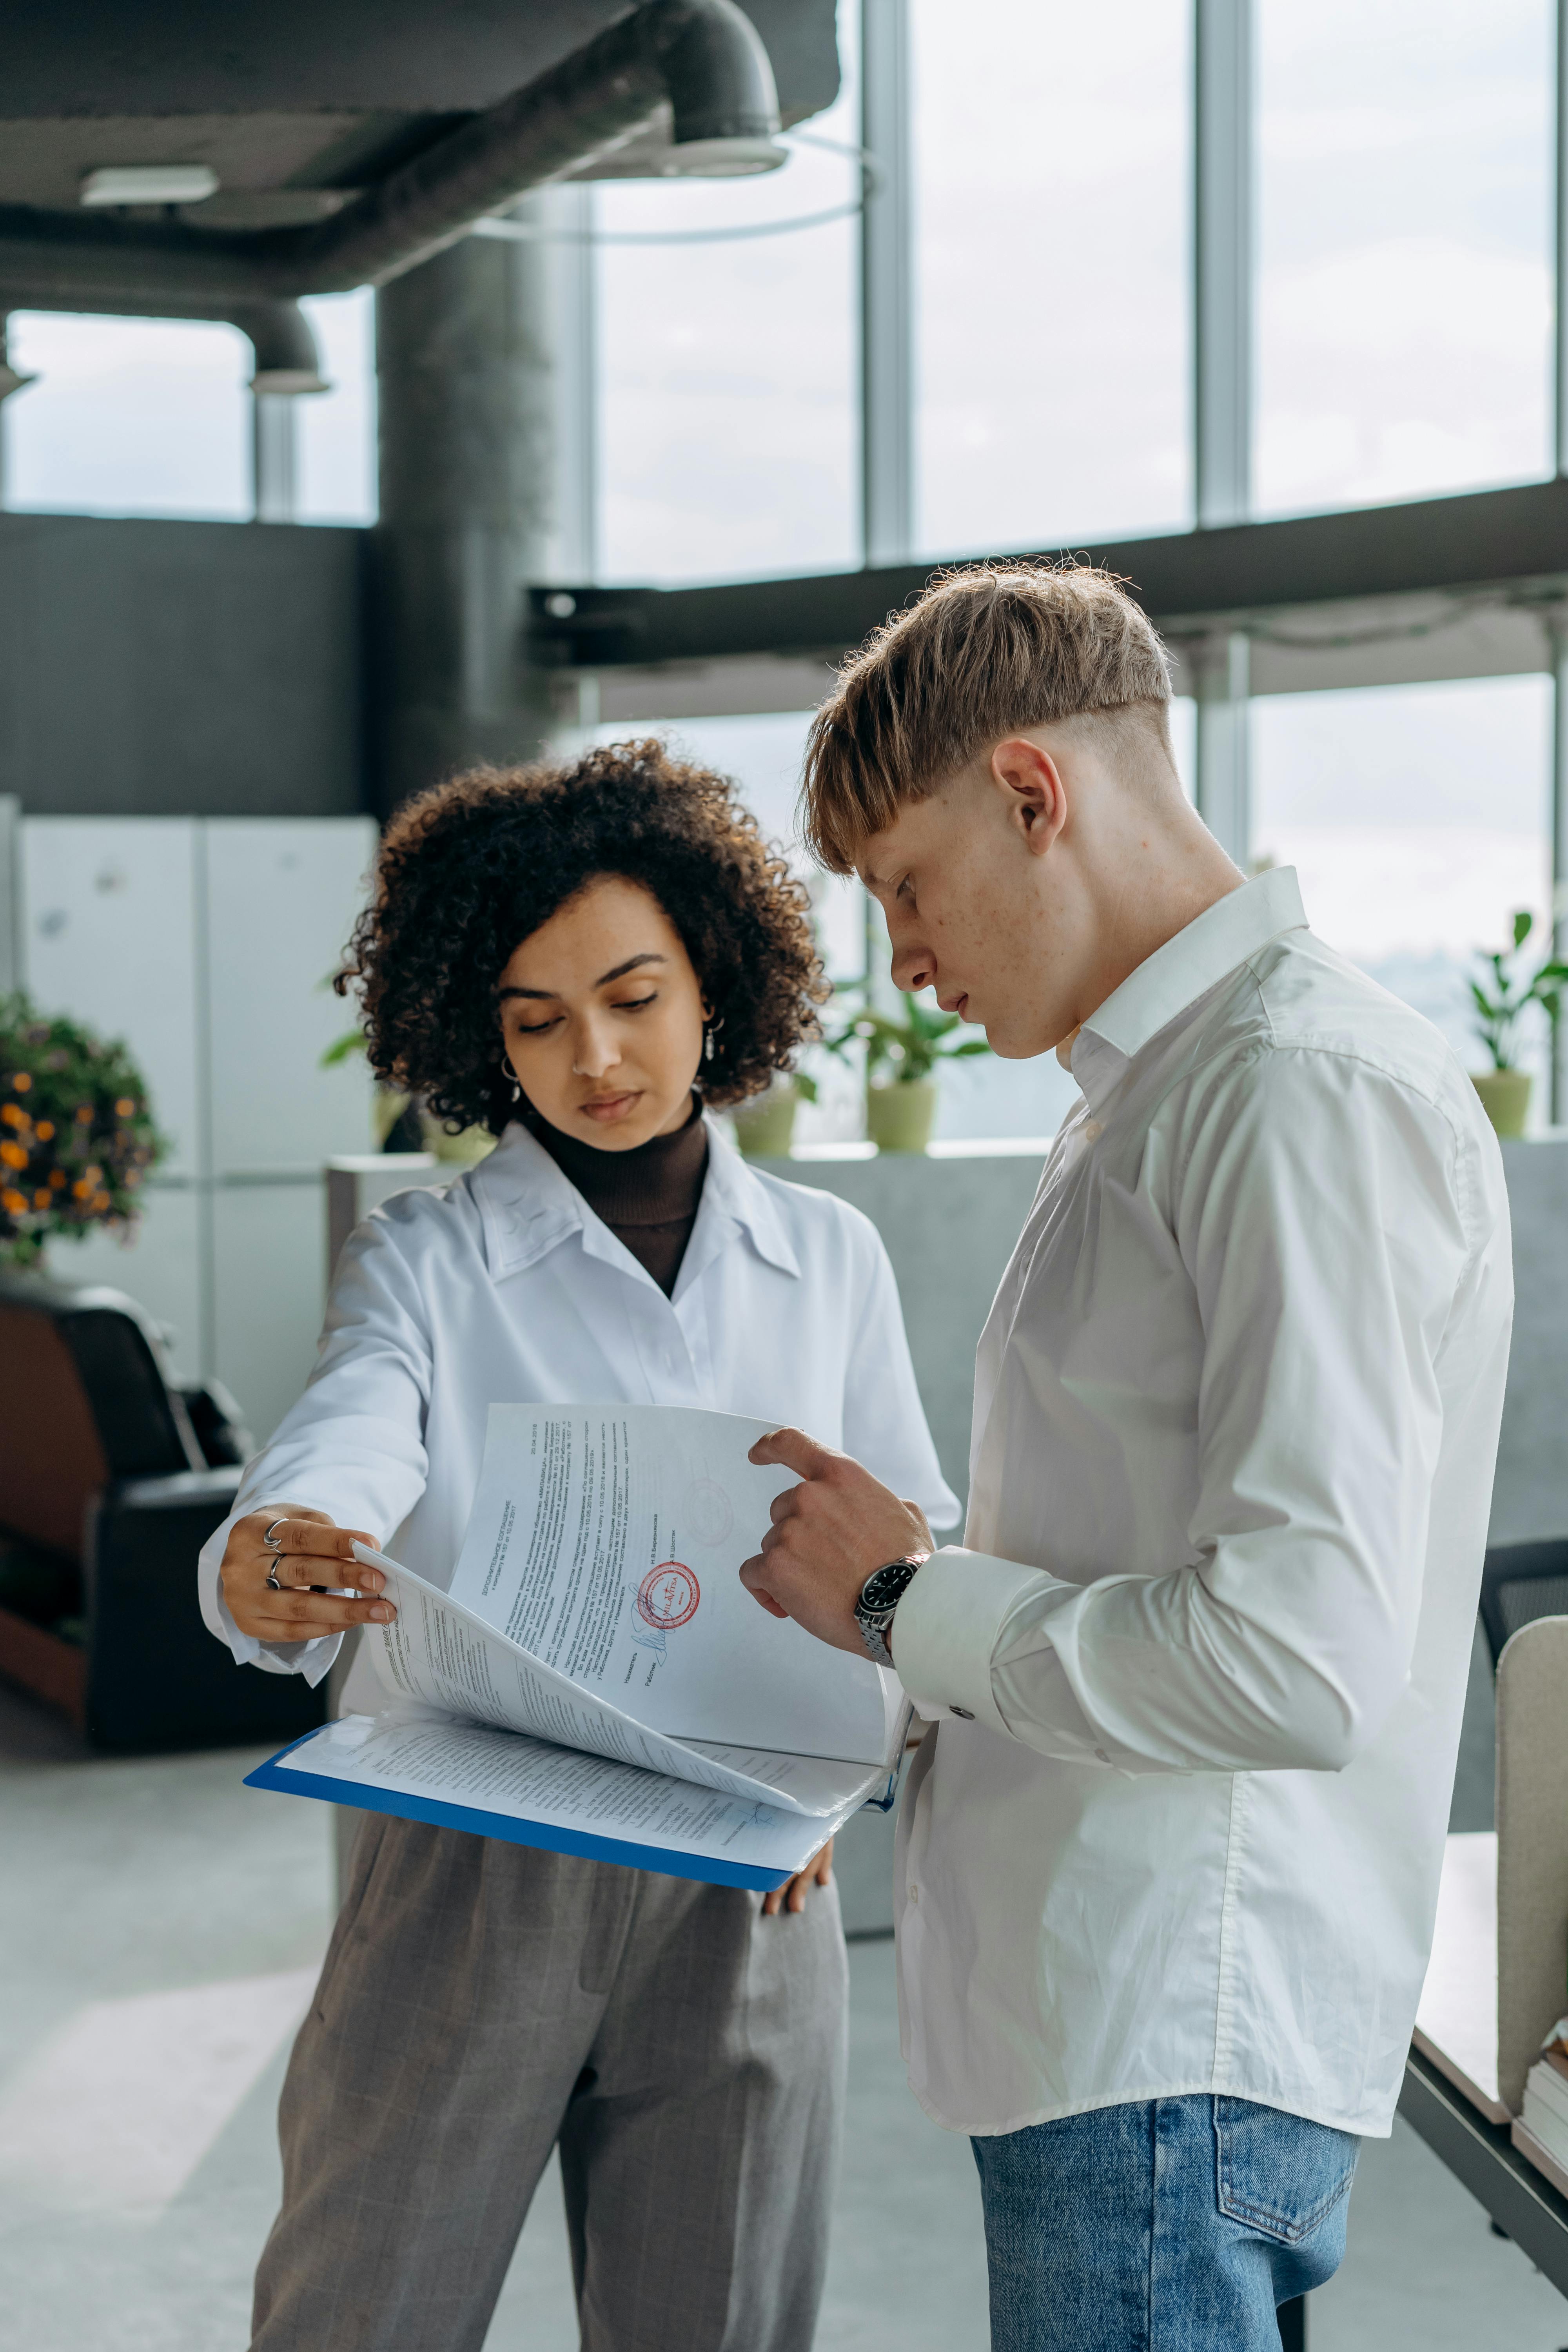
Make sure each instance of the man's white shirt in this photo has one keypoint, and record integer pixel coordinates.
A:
(1236, 1410)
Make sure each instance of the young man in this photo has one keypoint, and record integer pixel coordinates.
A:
(1169, 1863)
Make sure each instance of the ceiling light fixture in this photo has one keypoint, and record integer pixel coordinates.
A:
(148, 183)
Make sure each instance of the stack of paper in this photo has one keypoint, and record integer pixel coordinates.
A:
(1545, 2111)
(597, 1680)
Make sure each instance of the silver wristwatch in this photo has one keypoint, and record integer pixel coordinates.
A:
(879, 1596)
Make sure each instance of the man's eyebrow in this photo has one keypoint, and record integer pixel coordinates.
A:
(549, 995)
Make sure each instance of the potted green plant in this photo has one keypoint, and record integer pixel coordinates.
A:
(903, 1058)
(764, 1123)
(77, 1136)
(1499, 1003)
(464, 1149)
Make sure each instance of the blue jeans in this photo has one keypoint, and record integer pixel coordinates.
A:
(1171, 2225)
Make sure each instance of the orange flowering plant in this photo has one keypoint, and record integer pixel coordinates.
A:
(77, 1134)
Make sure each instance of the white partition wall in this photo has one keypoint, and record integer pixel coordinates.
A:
(280, 898)
(206, 944)
(110, 935)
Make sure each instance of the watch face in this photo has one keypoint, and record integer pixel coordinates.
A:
(882, 1589)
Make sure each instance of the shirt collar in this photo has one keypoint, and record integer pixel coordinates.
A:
(528, 1205)
(1165, 983)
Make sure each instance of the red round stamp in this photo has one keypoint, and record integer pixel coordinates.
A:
(668, 1595)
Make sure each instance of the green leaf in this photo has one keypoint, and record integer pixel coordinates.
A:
(1523, 923)
(341, 1048)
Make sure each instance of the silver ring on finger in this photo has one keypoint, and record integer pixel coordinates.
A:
(272, 1583)
(270, 1537)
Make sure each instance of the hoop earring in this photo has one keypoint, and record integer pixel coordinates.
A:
(516, 1082)
(711, 1030)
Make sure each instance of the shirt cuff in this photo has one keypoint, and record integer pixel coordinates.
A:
(946, 1627)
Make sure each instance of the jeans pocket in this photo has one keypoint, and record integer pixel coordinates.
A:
(1276, 2173)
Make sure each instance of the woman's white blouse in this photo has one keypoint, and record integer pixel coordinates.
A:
(506, 1288)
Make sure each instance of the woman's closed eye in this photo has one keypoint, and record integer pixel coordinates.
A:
(542, 1028)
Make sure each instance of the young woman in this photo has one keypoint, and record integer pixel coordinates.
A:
(581, 957)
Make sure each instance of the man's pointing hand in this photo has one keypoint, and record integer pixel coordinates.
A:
(828, 1535)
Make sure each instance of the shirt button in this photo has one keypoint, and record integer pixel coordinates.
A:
(1102, 1756)
(914, 1895)
(966, 1713)
(1092, 1130)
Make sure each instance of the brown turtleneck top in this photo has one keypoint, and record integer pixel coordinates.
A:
(648, 1196)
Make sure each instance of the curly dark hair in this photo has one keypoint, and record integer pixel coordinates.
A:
(472, 868)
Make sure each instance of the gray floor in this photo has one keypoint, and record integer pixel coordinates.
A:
(162, 1926)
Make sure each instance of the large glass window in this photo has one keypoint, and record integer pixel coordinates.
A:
(729, 402)
(152, 417)
(1418, 818)
(129, 416)
(1404, 247)
(336, 430)
(1052, 178)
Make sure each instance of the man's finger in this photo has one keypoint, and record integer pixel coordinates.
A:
(785, 1505)
(795, 1451)
(752, 1572)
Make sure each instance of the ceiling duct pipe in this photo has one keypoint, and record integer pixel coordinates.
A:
(286, 361)
(704, 57)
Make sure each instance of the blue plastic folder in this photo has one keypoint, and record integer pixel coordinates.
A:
(729, 1842)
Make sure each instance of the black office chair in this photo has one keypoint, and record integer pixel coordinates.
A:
(1521, 1582)
(111, 1477)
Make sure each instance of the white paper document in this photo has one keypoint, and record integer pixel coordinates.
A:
(590, 1804)
(597, 1625)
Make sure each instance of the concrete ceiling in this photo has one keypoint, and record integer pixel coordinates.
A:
(298, 104)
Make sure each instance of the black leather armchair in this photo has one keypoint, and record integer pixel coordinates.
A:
(112, 1476)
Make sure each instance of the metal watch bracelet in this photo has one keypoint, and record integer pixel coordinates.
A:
(878, 1599)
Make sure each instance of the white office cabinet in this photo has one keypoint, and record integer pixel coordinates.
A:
(207, 943)
(110, 936)
(266, 1294)
(280, 899)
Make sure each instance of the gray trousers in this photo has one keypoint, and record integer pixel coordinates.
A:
(481, 2002)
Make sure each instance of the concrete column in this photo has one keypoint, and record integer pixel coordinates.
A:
(468, 407)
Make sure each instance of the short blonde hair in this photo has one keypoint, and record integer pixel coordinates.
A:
(987, 650)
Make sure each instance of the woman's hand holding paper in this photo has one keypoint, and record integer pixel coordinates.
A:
(828, 1536)
(317, 1575)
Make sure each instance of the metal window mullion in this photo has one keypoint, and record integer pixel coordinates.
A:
(1223, 275)
(1557, 634)
(1222, 260)
(274, 458)
(1560, 249)
(573, 330)
(1224, 777)
(887, 288)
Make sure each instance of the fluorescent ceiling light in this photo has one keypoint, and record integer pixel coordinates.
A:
(718, 158)
(148, 183)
